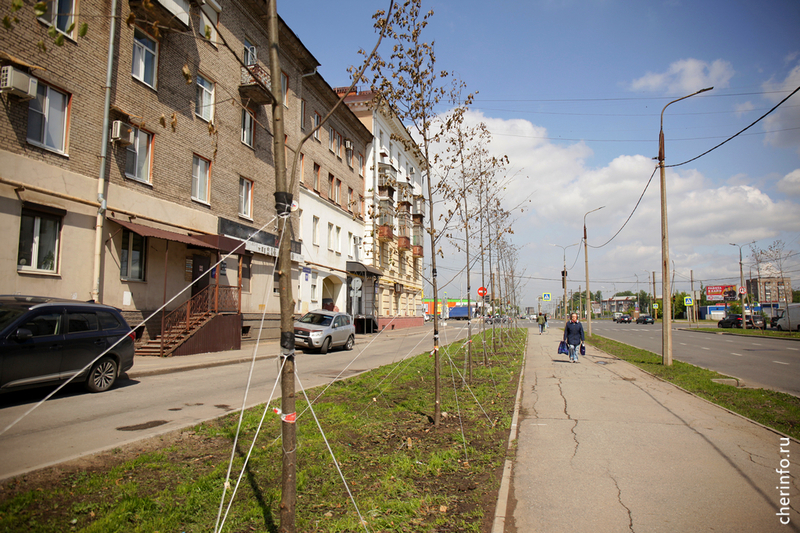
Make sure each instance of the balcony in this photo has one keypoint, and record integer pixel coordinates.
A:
(387, 180)
(418, 208)
(403, 231)
(416, 241)
(249, 87)
(385, 232)
(404, 196)
(173, 14)
(386, 221)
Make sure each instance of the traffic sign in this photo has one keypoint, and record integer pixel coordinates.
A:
(688, 301)
(482, 291)
(655, 306)
(742, 290)
(546, 297)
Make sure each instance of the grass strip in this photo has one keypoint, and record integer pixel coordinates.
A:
(406, 474)
(774, 409)
(750, 331)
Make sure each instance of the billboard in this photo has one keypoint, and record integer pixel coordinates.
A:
(721, 293)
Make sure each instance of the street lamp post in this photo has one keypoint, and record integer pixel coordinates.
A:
(563, 275)
(741, 281)
(586, 257)
(666, 333)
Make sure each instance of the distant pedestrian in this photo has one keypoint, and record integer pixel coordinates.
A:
(573, 334)
(541, 320)
(545, 323)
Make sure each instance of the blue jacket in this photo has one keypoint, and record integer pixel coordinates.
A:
(573, 333)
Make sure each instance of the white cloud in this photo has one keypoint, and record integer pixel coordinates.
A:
(744, 108)
(790, 184)
(686, 76)
(782, 123)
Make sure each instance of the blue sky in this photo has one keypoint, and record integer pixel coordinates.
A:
(572, 92)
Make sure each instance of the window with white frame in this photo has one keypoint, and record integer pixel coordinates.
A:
(350, 244)
(137, 162)
(331, 138)
(285, 89)
(337, 242)
(314, 296)
(200, 178)
(204, 102)
(402, 262)
(48, 117)
(361, 165)
(338, 146)
(315, 231)
(210, 19)
(317, 119)
(245, 198)
(330, 236)
(250, 55)
(60, 14)
(132, 256)
(315, 177)
(337, 187)
(248, 122)
(145, 58)
(39, 235)
(356, 248)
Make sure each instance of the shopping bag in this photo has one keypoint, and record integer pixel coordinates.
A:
(583, 349)
(562, 348)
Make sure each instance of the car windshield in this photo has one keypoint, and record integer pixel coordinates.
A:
(317, 319)
(9, 314)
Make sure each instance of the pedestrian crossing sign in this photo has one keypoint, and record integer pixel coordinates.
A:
(688, 301)
(546, 297)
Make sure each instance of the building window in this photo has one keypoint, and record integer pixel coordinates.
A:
(350, 199)
(250, 55)
(285, 89)
(338, 146)
(361, 165)
(137, 163)
(245, 279)
(48, 117)
(384, 251)
(350, 244)
(314, 296)
(204, 103)
(337, 243)
(200, 179)
(60, 14)
(38, 242)
(210, 19)
(247, 127)
(330, 236)
(331, 138)
(337, 188)
(330, 186)
(303, 115)
(245, 198)
(317, 119)
(402, 261)
(315, 231)
(356, 248)
(132, 256)
(145, 57)
(315, 177)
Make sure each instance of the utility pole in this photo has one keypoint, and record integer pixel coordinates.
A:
(655, 309)
(694, 300)
(741, 283)
(586, 258)
(283, 203)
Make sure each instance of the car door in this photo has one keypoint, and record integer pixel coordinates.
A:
(82, 341)
(31, 352)
(339, 331)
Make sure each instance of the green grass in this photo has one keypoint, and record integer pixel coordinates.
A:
(774, 409)
(405, 473)
(757, 332)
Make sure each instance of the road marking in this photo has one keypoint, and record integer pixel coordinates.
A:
(780, 362)
(755, 344)
(682, 343)
(793, 349)
(736, 354)
(703, 347)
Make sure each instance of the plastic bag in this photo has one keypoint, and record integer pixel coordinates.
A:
(562, 348)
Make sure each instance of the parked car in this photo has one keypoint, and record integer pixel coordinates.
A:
(624, 319)
(645, 319)
(44, 341)
(773, 322)
(322, 330)
(735, 321)
(790, 321)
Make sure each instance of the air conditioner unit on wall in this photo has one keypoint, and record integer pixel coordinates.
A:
(14, 81)
(348, 144)
(121, 133)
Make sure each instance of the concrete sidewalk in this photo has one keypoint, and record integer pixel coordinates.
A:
(604, 447)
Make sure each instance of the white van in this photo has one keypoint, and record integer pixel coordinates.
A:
(789, 321)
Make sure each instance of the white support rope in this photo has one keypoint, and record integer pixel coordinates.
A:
(330, 450)
(458, 408)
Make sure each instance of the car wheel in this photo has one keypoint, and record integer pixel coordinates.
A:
(102, 375)
(350, 342)
(326, 344)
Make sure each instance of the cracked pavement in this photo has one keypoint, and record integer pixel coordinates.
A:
(607, 447)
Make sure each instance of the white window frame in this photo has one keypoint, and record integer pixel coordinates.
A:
(285, 89)
(201, 173)
(245, 198)
(250, 56)
(138, 70)
(210, 19)
(336, 193)
(248, 127)
(356, 248)
(204, 98)
(317, 119)
(60, 18)
(135, 151)
(126, 257)
(314, 296)
(331, 138)
(315, 231)
(361, 165)
(302, 115)
(338, 146)
(350, 244)
(338, 240)
(330, 236)
(46, 105)
(35, 241)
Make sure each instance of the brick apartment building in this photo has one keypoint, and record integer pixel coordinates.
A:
(189, 173)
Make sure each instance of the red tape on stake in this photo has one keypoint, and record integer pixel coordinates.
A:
(291, 418)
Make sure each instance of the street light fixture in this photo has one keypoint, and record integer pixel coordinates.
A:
(666, 333)
(563, 273)
(586, 257)
(741, 281)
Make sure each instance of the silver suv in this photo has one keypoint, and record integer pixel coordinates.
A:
(324, 330)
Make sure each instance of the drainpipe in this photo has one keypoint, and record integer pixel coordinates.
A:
(101, 179)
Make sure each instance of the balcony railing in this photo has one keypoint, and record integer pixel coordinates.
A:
(249, 87)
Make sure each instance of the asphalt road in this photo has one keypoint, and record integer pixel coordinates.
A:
(758, 361)
(74, 423)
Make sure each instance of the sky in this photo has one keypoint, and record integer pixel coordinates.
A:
(572, 91)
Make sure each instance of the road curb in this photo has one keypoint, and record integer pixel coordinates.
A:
(732, 333)
(194, 366)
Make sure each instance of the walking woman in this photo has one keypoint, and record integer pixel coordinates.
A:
(573, 334)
